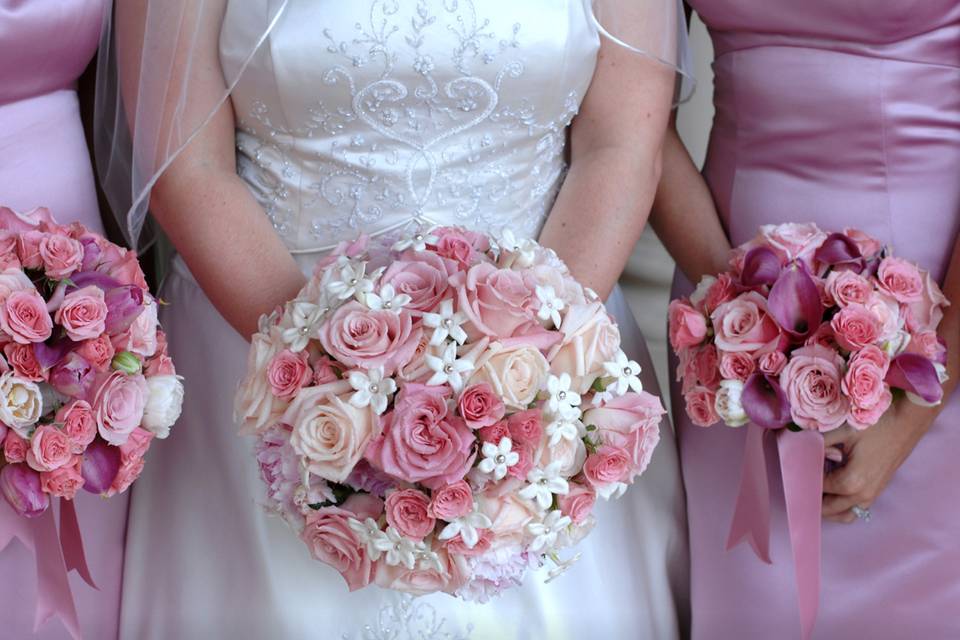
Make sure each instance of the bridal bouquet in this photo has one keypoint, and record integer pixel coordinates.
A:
(808, 330)
(85, 381)
(441, 415)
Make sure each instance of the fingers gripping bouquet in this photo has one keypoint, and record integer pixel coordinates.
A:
(807, 332)
(85, 386)
(442, 415)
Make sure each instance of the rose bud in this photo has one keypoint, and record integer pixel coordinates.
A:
(20, 486)
(126, 362)
(101, 463)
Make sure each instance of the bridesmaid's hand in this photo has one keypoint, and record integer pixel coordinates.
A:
(871, 457)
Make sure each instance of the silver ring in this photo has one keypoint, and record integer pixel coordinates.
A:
(862, 513)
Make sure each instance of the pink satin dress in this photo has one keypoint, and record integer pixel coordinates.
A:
(844, 113)
(44, 47)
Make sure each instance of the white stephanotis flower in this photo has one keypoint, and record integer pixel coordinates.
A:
(387, 300)
(625, 372)
(446, 324)
(497, 458)
(518, 252)
(372, 389)
(430, 561)
(399, 549)
(467, 527)
(305, 320)
(561, 567)
(369, 533)
(563, 428)
(351, 280)
(418, 242)
(544, 483)
(545, 533)
(561, 397)
(550, 304)
(448, 368)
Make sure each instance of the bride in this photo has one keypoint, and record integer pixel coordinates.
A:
(266, 131)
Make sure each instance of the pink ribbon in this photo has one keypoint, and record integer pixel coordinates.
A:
(801, 466)
(56, 555)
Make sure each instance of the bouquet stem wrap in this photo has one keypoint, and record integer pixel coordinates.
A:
(801, 467)
(56, 553)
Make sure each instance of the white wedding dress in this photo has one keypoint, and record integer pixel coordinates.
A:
(372, 115)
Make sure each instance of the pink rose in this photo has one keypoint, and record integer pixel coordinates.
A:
(495, 301)
(420, 580)
(927, 344)
(325, 370)
(862, 417)
(864, 383)
(408, 511)
(688, 327)
(812, 381)
(743, 324)
(119, 406)
(11, 280)
(887, 312)
(14, 447)
(422, 275)
(901, 279)
(79, 423)
(772, 363)
(524, 463)
(723, 290)
(630, 423)
(452, 501)
(122, 265)
(83, 314)
(287, 373)
(926, 313)
(590, 339)
(63, 482)
(23, 359)
(28, 248)
(578, 503)
(456, 545)
(98, 352)
(824, 337)
(330, 539)
(141, 337)
(131, 461)
(480, 406)
(526, 427)
(24, 317)
(460, 245)
(794, 241)
(736, 366)
(700, 367)
(608, 466)
(61, 256)
(700, 403)
(509, 515)
(49, 448)
(421, 442)
(868, 245)
(366, 338)
(847, 287)
(494, 433)
(855, 327)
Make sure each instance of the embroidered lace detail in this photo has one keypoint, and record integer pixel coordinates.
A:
(408, 618)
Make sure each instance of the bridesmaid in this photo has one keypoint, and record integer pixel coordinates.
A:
(843, 114)
(44, 161)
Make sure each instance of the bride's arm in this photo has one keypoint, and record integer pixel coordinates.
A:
(615, 144)
(202, 204)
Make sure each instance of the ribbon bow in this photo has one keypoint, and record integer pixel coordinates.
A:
(56, 554)
(801, 465)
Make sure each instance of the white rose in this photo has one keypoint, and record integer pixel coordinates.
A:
(164, 402)
(700, 293)
(729, 403)
(571, 454)
(21, 404)
(256, 407)
(517, 374)
(590, 339)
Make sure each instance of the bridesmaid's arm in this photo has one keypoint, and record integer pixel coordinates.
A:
(202, 204)
(615, 146)
(684, 215)
(874, 455)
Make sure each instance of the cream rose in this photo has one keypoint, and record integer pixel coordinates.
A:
(569, 453)
(256, 407)
(164, 403)
(21, 404)
(729, 403)
(330, 433)
(590, 339)
(516, 373)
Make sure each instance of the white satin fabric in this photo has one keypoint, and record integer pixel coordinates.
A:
(372, 115)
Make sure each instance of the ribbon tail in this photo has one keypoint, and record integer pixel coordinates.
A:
(801, 463)
(71, 541)
(14, 526)
(54, 597)
(751, 516)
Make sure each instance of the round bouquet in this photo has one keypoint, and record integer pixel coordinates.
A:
(441, 415)
(85, 381)
(809, 330)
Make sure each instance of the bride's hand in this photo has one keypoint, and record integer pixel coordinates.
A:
(871, 458)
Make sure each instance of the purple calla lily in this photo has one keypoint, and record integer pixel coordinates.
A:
(915, 374)
(765, 402)
(760, 266)
(94, 278)
(794, 302)
(91, 253)
(101, 463)
(124, 305)
(838, 249)
(48, 355)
